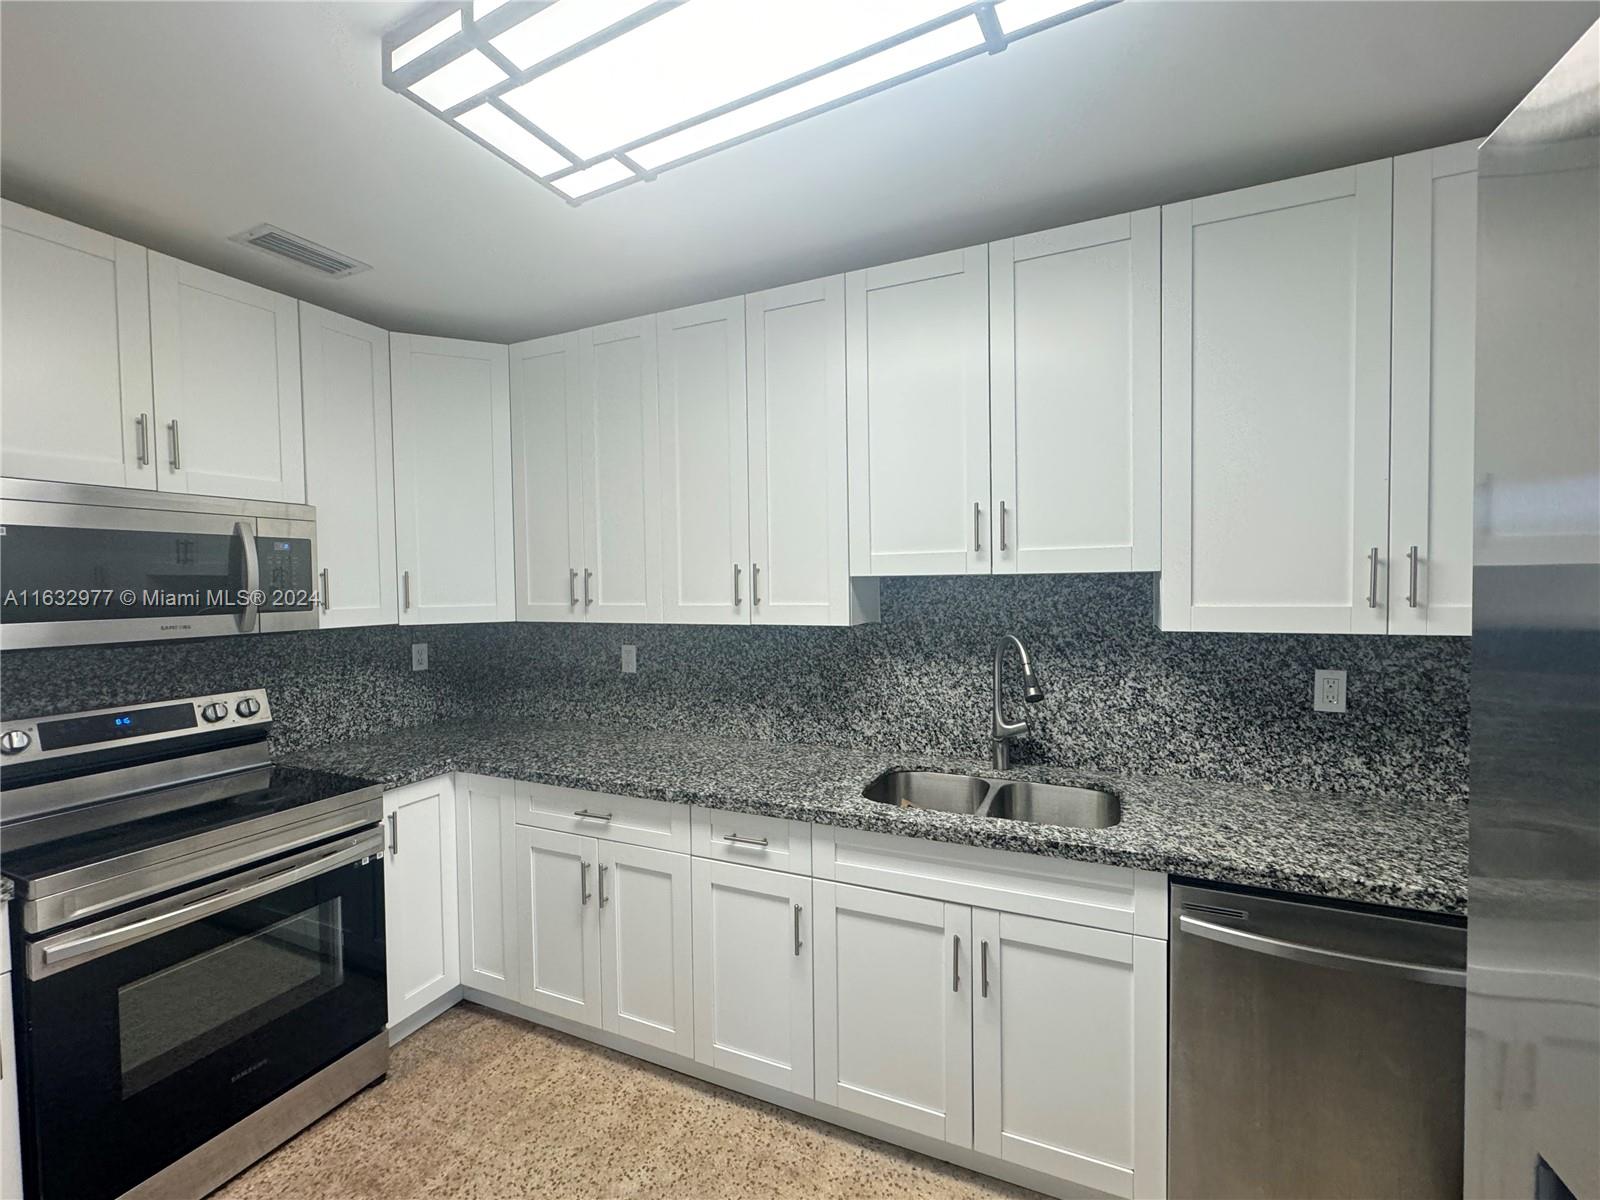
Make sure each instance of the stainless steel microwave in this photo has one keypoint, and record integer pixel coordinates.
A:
(83, 565)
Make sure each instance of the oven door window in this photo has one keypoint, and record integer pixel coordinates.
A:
(145, 1053)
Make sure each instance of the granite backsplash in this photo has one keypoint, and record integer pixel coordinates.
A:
(1120, 696)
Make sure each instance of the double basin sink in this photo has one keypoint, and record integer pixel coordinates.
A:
(1006, 799)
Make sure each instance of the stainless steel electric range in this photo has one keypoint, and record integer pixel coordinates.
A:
(198, 936)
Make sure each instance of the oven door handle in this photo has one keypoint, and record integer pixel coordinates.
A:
(245, 531)
(79, 946)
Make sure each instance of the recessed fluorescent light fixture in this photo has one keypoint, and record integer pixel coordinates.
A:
(588, 96)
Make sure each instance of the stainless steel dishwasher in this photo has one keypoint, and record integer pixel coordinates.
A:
(1315, 1050)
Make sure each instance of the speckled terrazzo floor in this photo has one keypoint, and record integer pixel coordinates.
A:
(485, 1106)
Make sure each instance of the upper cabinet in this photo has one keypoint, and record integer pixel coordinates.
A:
(1075, 370)
(1275, 406)
(225, 358)
(547, 476)
(452, 473)
(918, 392)
(350, 466)
(75, 396)
(1435, 323)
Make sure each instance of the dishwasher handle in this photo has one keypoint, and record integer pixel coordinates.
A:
(1322, 957)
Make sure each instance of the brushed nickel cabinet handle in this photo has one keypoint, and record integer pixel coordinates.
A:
(737, 570)
(174, 456)
(583, 882)
(797, 931)
(983, 961)
(744, 841)
(977, 526)
(755, 584)
(1002, 527)
(325, 600)
(1411, 588)
(1372, 578)
(586, 574)
(394, 833)
(955, 964)
(583, 814)
(572, 587)
(602, 885)
(405, 590)
(141, 423)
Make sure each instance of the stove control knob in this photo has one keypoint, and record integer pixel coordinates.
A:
(215, 711)
(15, 741)
(248, 706)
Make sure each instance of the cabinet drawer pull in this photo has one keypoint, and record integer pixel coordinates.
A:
(583, 882)
(174, 456)
(325, 601)
(744, 841)
(602, 885)
(1411, 588)
(797, 931)
(1372, 578)
(955, 964)
(983, 966)
(572, 587)
(977, 526)
(583, 814)
(141, 423)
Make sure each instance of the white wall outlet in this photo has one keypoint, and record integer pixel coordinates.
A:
(630, 660)
(1329, 692)
(419, 656)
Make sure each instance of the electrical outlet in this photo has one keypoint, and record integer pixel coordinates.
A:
(419, 656)
(630, 660)
(1328, 695)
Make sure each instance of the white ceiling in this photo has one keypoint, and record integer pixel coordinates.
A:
(180, 124)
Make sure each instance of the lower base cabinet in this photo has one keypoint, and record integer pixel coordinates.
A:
(752, 973)
(419, 897)
(604, 936)
(486, 883)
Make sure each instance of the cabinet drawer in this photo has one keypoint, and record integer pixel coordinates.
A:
(628, 819)
(752, 841)
(1032, 885)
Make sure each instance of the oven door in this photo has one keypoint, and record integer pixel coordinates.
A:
(79, 574)
(146, 1034)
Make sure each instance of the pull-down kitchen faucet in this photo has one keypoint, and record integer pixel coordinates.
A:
(1001, 735)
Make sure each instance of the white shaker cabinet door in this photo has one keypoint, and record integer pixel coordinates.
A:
(1435, 324)
(226, 364)
(558, 924)
(452, 474)
(705, 525)
(486, 863)
(799, 465)
(752, 973)
(647, 946)
(894, 1009)
(918, 399)
(1275, 406)
(1069, 1051)
(547, 476)
(75, 396)
(350, 466)
(1075, 368)
(419, 890)
(621, 577)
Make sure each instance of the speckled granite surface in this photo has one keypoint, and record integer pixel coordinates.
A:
(1399, 850)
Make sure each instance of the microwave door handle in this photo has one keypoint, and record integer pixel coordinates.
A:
(59, 954)
(249, 614)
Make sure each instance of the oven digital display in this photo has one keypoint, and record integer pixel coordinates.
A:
(108, 727)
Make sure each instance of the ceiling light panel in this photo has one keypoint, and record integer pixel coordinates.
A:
(588, 95)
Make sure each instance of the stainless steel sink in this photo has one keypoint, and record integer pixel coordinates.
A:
(1053, 804)
(1004, 799)
(928, 789)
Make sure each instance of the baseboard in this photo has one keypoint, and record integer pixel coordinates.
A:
(957, 1155)
(403, 1029)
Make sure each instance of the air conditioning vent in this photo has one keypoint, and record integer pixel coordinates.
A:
(297, 249)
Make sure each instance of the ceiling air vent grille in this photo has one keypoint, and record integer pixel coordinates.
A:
(297, 249)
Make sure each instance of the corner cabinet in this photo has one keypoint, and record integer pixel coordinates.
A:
(1275, 406)
(225, 359)
(344, 368)
(452, 480)
(419, 897)
(75, 393)
(1075, 371)
(547, 414)
(486, 883)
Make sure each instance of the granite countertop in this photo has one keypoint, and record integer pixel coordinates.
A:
(1382, 849)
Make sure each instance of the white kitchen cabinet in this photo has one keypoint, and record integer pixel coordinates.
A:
(798, 454)
(419, 896)
(918, 400)
(225, 361)
(75, 393)
(344, 370)
(1069, 1068)
(753, 974)
(452, 478)
(558, 924)
(621, 465)
(1275, 406)
(646, 945)
(1431, 426)
(486, 890)
(1075, 372)
(705, 524)
(547, 476)
(894, 1009)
